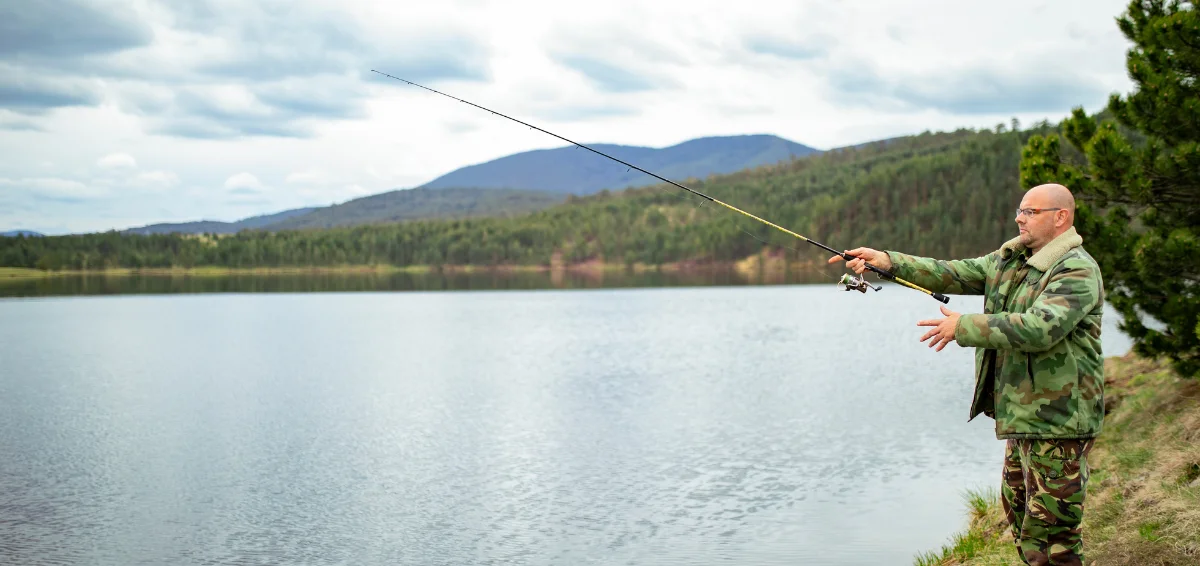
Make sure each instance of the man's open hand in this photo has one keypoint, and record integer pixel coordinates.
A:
(943, 329)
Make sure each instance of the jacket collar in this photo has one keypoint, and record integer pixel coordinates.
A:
(1049, 254)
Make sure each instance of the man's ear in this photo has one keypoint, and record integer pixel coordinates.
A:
(1060, 221)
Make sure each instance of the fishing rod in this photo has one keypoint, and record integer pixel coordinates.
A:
(847, 282)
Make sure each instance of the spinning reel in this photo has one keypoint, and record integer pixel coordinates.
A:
(856, 283)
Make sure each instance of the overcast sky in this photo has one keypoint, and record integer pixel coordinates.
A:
(123, 113)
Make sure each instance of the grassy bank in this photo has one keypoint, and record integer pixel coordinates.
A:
(1143, 499)
(21, 273)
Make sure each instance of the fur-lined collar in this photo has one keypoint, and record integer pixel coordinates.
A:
(1049, 254)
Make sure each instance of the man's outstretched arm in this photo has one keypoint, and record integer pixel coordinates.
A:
(954, 277)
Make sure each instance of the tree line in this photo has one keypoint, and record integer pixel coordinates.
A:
(943, 194)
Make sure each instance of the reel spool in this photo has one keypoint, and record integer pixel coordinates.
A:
(856, 283)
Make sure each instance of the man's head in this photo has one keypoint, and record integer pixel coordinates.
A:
(1045, 212)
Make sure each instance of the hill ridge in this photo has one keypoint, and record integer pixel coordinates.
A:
(572, 170)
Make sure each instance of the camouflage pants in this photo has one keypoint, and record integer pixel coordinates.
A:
(1042, 493)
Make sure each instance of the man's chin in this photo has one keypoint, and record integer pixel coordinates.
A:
(1025, 239)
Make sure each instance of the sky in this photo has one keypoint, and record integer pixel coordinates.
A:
(116, 114)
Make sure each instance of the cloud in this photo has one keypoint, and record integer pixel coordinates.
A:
(156, 179)
(330, 99)
(311, 177)
(55, 189)
(197, 128)
(617, 42)
(120, 175)
(282, 40)
(611, 77)
(69, 28)
(984, 89)
(279, 87)
(25, 93)
(117, 161)
(232, 111)
(20, 125)
(812, 47)
(582, 112)
(615, 59)
(296, 63)
(460, 126)
(282, 97)
(244, 184)
(292, 42)
(437, 58)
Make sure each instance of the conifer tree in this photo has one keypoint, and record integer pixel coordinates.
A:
(1138, 179)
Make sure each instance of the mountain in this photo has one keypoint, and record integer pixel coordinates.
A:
(217, 227)
(414, 204)
(15, 233)
(532, 180)
(573, 170)
(943, 194)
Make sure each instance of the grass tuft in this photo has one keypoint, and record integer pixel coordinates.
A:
(979, 501)
(1149, 531)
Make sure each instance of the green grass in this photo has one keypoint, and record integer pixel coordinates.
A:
(1136, 458)
(21, 272)
(963, 546)
(977, 543)
(1143, 498)
(1149, 531)
(978, 501)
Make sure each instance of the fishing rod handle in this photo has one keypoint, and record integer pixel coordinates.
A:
(888, 275)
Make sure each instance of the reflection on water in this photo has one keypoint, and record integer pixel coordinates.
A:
(401, 281)
(744, 425)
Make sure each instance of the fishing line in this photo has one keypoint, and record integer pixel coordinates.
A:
(850, 282)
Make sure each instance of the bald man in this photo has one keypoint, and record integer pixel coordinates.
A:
(1039, 368)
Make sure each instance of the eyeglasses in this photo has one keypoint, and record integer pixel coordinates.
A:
(1032, 211)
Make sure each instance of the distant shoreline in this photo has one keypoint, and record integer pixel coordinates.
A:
(748, 265)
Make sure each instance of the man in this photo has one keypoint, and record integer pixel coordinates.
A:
(1039, 369)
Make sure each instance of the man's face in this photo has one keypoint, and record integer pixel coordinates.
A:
(1036, 230)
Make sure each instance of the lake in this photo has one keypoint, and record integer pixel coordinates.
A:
(785, 424)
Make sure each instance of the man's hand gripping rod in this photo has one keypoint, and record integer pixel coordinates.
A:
(860, 284)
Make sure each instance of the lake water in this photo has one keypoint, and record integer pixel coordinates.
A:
(700, 425)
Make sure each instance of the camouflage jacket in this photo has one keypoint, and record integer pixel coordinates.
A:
(1039, 368)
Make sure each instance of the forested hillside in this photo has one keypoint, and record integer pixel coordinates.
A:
(943, 194)
(413, 204)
